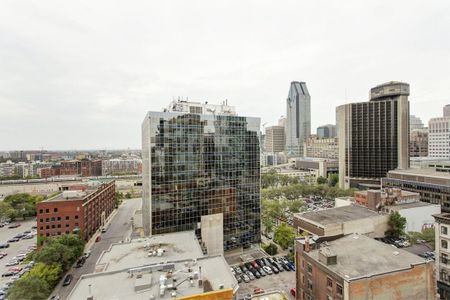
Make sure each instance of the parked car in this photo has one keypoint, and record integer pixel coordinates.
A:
(268, 270)
(13, 240)
(245, 278)
(275, 269)
(294, 292)
(14, 225)
(67, 279)
(28, 237)
(87, 254)
(250, 275)
(258, 291)
(12, 263)
(8, 273)
(5, 245)
(98, 238)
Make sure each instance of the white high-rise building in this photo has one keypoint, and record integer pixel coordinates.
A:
(298, 119)
(439, 138)
(447, 111)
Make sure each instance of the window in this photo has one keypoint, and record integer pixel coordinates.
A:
(67, 225)
(42, 228)
(41, 220)
(41, 211)
(339, 290)
(47, 210)
(309, 268)
(309, 284)
(47, 227)
(76, 216)
(59, 218)
(47, 219)
(444, 244)
(53, 226)
(55, 209)
(59, 225)
(67, 232)
(67, 217)
(329, 283)
(443, 229)
(53, 219)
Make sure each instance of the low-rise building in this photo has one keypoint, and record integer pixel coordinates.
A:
(432, 185)
(418, 143)
(163, 266)
(356, 267)
(81, 210)
(317, 166)
(322, 148)
(341, 221)
(442, 248)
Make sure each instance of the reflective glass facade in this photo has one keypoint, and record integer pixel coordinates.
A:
(195, 165)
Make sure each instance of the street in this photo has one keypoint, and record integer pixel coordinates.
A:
(119, 230)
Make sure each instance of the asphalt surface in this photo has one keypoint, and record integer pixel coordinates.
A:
(118, 230)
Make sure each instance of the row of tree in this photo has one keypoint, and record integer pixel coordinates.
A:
(273, 180)
(296, 191)
(53, 259)
(21, 205)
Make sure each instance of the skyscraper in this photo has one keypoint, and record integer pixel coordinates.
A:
(274, 141)
(374, 136)
(439, 138)
(447, 111)
(199, 160)
(326, 131)
(298, 118)
(415, 123)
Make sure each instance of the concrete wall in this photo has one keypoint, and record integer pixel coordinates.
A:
(212, 233)
(414, 284)
(416, 217)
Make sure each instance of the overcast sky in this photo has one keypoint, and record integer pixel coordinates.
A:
(82, 74)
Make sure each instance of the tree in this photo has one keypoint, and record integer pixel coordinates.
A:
(333, 179)
(294, 205)
(397, 225)
(24, 204)
(55, 253)
(284, 236)
(6, 211)
(48, 273)
(29, 288)
(271, 249)
(128, 195)
(321, 180)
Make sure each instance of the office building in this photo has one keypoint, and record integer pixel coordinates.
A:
(78, 209)
(7, 169)
(326, 131)
(439, 138)
(327, 148)
(447, 111)
(318, 167)
(415, 123)
(117, 166)
(442, 250)
(356, 267)
(202, 164)
(374, 135)
(298, 118)
(418, 143)
(274, 139)
(432, 185)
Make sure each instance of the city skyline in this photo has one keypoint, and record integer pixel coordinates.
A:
(66, 72)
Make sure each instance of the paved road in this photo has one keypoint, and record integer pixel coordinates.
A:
(119, 230)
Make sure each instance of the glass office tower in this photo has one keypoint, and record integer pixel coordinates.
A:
(201, 164)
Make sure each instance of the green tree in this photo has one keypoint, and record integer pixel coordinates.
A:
(397, 225)
(294, 206)
(118, 198)
(271, 249)
(284, 236)
(333, 179)
(24, 204)
(321, 180)
(49, 273)
(6, 211)
(128, 195)
(55, 253)
(29, 288)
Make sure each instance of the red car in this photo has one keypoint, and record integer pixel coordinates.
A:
(294, 292)
(258, 291)
(98, 239)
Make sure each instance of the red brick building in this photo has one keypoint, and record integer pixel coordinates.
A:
(74, 211)
(74, 167)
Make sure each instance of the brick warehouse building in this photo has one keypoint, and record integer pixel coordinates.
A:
(82, 210)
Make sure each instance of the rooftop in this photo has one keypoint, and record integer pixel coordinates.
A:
(401, 206)
(159, 280)
(78, 191)
(428, 172)
(357, 257)
(338, 214)
(176, 246)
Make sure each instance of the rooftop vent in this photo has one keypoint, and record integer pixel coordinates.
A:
(327, 257)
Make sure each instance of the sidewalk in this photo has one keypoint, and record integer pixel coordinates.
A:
(91, 242)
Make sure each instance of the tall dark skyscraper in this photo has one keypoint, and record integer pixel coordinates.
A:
(298, 118)
(199, 160)
(374, 135)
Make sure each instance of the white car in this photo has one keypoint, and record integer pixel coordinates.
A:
(267, 270)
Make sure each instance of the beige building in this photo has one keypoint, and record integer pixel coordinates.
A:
(374, 135)
(418, 143)
(439, 138)
(321, 148)
(274, 140)
(341, 221)
(442, 249)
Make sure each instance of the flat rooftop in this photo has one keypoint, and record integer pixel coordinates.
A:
(74, 194)
(410, 205)
(143, 283)
(338, 214)
(403, 192)
(176, 246)
(359, 256)
(427, 172)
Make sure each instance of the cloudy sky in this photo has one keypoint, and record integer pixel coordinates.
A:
(82, 74)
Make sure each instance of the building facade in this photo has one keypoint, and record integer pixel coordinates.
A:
(415, 123)
(374, 135)
(433, 186)
(442, 249)
(274, 139)
(321, 148)
(122, 166)
(447, 111)
(418, 143)
(202, 164)
(439, 138)
(298, 118)
(82, 210)
(326, 131)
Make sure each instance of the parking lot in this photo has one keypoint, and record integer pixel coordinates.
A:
(284, 280)
(15, 248)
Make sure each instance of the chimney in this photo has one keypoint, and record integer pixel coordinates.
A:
(307, 245)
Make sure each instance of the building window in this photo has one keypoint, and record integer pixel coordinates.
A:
(59, 232)
(53, 226)
(41, 220)
(329, 283)
(59, 225)
(47, 219)
(67, 217)
(55, 209)
(59, 218)
(67, 225)
(444, 244)
(41, 211)
(47, 227)
(67, 232)
(339, 290)
(443, 229)
(76, 216)
(53, 219)
(47, 210)
(309, 285)
(309, 268)
(42, 228)
(444, 258)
